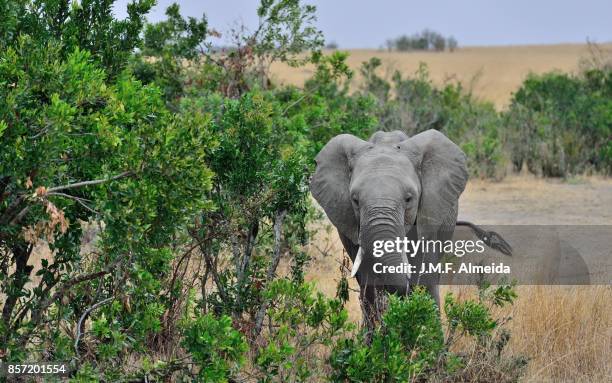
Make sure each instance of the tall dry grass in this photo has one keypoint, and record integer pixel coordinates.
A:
(565, 331)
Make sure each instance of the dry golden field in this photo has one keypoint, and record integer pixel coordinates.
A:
(493, 73)
(566, 331)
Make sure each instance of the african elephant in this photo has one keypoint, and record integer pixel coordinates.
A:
(388, 187)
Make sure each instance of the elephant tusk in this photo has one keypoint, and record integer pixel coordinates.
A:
(357, 262)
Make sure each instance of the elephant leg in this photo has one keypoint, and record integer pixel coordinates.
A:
(430, 281)
(373, 301)
(371, 296)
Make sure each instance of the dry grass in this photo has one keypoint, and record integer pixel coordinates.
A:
(566, 331)
(492, 72)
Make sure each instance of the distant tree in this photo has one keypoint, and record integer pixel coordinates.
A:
(427, 36)
(452, 43)
(439, 43)
(426, 40)
(331, 45)
(390, 44)
(420, 43)
(404, 43)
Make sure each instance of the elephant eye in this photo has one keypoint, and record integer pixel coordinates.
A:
(408, 199)
(355, 200)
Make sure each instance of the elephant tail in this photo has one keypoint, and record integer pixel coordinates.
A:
(490, 238)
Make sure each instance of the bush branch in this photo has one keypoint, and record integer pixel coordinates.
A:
(82, 318)
(278, 225)
(89, 183)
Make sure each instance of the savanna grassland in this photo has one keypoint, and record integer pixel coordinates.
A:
(493, 73)
(156, 222)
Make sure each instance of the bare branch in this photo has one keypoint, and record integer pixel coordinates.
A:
(80, 323)
(59, 293)
(8, 216)
(11, 209)
(244, 265)
(77, 199)
(89, 183)
(278, 225)
(178, 264)
(20, 216)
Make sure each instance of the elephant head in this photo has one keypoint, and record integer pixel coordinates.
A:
(388, 187)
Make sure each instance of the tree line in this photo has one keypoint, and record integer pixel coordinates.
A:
(426, 40)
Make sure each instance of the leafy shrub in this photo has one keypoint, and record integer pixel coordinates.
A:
(304, 323)
(409, 344)
(561, 124)
(88, 25)
(557, 124)
(414, 104)
(484, 360)
(167, 46)
(403, 347)
(216, 347)
(76, 148)
(325, 108)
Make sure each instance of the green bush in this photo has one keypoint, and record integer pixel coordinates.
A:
(557, 125)
(409, 344)
(304, 322)
(88, 25)
(216, 347)
(167, 47)
(77, 148)
(560, 124)
(414, 104)
(404, 346)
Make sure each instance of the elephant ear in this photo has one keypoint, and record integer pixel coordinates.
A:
(443, 173)
(330, 183)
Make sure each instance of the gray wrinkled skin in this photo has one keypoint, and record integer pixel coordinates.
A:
(390, 186)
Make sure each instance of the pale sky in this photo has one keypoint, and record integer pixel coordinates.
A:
(368, 24)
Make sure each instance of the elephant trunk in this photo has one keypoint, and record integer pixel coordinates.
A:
(382, 224)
